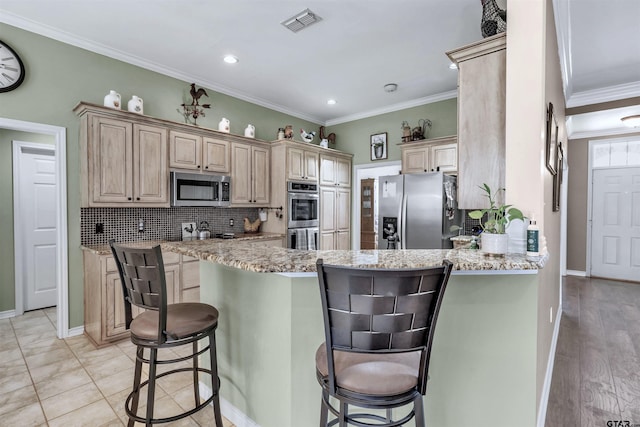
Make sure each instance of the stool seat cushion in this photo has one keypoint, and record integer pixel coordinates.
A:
(183, 320)
(374, 374)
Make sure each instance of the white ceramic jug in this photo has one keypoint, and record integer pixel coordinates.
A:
(223, 126)
(112, 100)
(250, 131)
(135, 105)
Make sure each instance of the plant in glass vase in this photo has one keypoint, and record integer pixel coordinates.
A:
(494, 221)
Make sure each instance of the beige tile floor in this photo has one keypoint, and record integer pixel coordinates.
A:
(45, 381)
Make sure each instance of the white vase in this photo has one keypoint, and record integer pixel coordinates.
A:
(494, 244)
(135, 105)
(250, 131)
(223, 126)
(112, 100)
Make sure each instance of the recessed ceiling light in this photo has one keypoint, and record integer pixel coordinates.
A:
(331, 102)
(230, 59)
(453, 66)
(631, 121)
(390, 87)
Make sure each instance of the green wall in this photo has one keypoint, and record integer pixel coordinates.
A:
(59, 76)
(7, 259)
(356, 134)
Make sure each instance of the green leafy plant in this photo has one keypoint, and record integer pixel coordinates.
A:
(498, 216)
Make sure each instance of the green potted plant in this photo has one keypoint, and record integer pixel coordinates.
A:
(494, 239)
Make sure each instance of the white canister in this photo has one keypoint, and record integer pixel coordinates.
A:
(135, 105)
(112, 100)
(223, 126)
(250, 131)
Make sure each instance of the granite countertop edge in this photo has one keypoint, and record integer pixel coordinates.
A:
(261, 259)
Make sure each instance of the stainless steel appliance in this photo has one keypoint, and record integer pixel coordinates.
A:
(190, 189)
(303, 238)
(302, 204)
(417, 211)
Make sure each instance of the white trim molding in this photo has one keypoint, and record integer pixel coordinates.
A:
(576, 273)
(7, 314)
(546, 386)
(230, 412)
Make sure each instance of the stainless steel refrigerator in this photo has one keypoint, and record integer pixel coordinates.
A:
(417, 211)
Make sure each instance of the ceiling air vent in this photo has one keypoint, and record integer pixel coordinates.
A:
(301, 20)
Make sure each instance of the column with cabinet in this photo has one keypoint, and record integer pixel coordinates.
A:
(481, 118)
(335, 201)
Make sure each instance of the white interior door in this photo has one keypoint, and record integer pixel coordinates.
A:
(615, 233)
(35, 204)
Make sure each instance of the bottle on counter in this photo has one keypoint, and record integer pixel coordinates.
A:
(533, 242)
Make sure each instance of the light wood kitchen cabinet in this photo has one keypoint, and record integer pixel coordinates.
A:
(198, 153)
(335, 170)
(123, 163)
(335, 218)
(104, 318)
(430, 155)
(302, 164)
(250, 178)
(481, 118)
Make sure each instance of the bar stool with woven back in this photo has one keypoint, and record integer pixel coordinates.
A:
(161, 326)
(379, 326)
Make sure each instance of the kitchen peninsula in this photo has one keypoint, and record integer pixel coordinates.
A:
(483, 364)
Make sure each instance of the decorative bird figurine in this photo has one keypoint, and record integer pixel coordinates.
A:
(494, 19)
(196, 94)
(331, 137)
(251, 227)
(307, 137)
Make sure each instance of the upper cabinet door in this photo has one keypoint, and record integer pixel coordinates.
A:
(415, 159)
(343, 172)
(240, 174)
(185, 150)
(327, 170)
(260, 175)
(444, 157)
(295, 163)
(151, 171)
(110, 151)
(215, 155)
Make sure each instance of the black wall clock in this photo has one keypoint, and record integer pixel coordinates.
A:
(11, 68)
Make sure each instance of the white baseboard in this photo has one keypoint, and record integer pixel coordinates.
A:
(7, 314)
(576, 273)
(75, 331)
(546, 387)
(230, 412)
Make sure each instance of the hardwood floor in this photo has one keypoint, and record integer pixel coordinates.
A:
(596, 375)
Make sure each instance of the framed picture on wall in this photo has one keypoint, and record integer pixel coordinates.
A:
(557, 178)
(552, 141)
(378, 146)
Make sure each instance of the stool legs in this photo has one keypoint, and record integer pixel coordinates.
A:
(136, 384)
(151, 392)
(419, 411)
(215, 381)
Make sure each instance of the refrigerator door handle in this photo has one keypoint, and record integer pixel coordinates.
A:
(400, 225)
(403, 228)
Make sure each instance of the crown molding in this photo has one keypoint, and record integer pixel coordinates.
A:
(562, 18)
(606, 94)
(395, 107)
(602, 132)
(64, 37)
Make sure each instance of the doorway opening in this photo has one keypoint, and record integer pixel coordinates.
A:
(366, 171)
(61, 249)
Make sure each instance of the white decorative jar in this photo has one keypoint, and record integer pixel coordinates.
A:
(135, 105)
(223, 126)
(112, 100)
(494, 244)
(250, 131)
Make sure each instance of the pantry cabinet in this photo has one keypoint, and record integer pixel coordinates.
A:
(189, 151)
(250, 178)
(335, 218)
(104, 317)
(430, 155)
(335, 170)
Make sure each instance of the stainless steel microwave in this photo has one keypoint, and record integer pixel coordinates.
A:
(191, 189)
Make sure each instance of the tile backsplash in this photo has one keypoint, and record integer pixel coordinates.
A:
(121, 224)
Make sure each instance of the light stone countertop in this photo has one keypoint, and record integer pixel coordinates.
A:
(239, 253)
